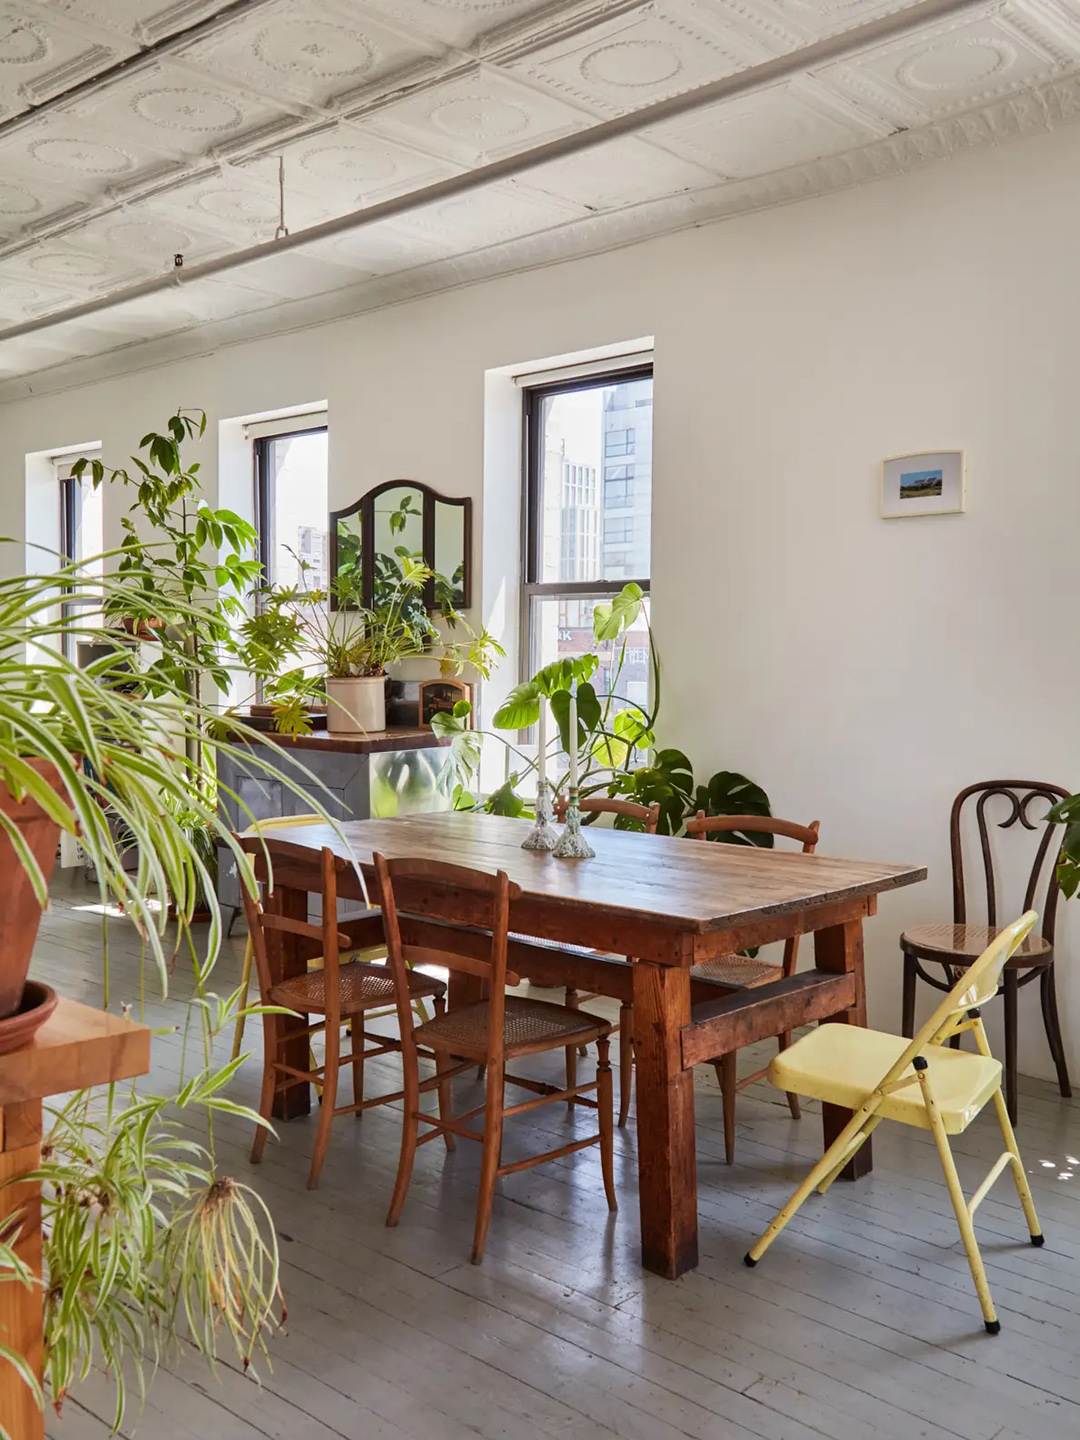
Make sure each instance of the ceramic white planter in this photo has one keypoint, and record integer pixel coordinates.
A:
(356, 705)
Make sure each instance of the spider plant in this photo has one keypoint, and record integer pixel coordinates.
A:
(146, 1244)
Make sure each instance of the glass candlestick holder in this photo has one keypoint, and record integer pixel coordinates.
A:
(572, 843)
(542, 837)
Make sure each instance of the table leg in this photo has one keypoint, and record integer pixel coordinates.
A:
(296, 1047)
(667, 1161)
(21, 1308)
(840, 949)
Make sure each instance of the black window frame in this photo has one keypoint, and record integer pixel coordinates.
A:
(531, 539)
(260, 463)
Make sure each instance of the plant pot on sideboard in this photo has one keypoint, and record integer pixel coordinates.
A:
(20, 913)
(356, 705)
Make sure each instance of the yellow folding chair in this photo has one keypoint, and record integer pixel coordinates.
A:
(921, 1082)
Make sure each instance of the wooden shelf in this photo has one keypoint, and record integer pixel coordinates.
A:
(78, 1046)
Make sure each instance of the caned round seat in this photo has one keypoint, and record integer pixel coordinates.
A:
(739, 971)
(527, 1025)
(361, 987)
(959, 945)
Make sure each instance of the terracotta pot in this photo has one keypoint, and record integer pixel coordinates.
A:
(356, 705)
(20, 913)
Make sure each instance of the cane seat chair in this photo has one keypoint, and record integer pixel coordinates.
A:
(741, 972)
(489, 1031)
(334, 995)
(922, 1082)
(648, 818)
(955, 947)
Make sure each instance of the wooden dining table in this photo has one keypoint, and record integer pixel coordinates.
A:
(669, 904)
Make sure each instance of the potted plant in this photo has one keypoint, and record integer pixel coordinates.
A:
(146, 1245)
(344, 650)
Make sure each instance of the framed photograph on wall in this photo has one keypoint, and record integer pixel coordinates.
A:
(932, 483)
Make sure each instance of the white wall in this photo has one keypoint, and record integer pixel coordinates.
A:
(862, 670)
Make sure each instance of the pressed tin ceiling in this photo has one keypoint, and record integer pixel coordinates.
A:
(131, 130)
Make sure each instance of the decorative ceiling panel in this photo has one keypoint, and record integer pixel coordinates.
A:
(637, 57)
(115, 169)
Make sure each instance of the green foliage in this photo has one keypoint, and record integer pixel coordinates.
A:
(1067, 813)
(730, 794)
(616, 740)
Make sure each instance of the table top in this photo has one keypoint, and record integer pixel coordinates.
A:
(690, 885)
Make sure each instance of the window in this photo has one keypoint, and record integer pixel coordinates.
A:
(292, 505)
(81, 533)
(576, 551)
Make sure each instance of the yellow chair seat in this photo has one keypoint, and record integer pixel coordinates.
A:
(844, 1064)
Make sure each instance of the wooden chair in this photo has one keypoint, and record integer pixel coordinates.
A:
(955, 947)
(740, 972)
(649, 817)
(260, 827)
(488, 1031)
(921, 1082)
(339, 994)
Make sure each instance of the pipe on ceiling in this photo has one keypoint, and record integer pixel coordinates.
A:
(756, 77)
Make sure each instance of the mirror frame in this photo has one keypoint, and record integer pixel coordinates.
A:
(365, 508)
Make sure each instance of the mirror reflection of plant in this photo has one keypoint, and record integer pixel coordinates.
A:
(145, 1243)
(616, 738)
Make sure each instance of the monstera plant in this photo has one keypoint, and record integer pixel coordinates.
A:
(616, 738)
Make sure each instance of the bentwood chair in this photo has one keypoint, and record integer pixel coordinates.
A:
(742, 972)
(954, 947)
(329, 997)
(641, 817)
(488, 1031)
(922, 1082)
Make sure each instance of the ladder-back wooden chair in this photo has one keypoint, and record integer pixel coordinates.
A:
(922, 1082)
(954, 947)
(741, 972)
(647, 818)
(488, 1032)
(329, 997)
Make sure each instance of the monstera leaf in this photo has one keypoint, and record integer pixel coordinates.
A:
(729, 793)
(612, 617)
(668, 782)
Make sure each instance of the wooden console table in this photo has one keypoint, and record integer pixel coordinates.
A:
(76, 1048)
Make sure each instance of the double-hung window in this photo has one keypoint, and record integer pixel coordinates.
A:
(81, 534)
(588, 513)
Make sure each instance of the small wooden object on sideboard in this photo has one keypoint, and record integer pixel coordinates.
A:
(440, 696)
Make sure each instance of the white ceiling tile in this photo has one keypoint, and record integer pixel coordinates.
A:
(492, 216)
(314, 53)
(350, 166)
(622, 172)
(39, 56)
(951, 66)
(637, 58)
(788, 124)
(460, 23)
(479, 117)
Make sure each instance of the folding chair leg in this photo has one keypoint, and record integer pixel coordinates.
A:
(842, 1164)
(829, 1162)
(1023, 1189)
(960, 1209)
(245, 986)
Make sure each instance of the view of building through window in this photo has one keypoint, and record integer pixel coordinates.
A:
(590, 494)
(292, 505)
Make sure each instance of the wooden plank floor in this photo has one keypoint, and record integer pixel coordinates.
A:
(861, 1321)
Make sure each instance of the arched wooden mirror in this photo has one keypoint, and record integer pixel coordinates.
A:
(369, 539)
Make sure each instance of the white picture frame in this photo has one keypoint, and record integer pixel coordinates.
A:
(929, 482)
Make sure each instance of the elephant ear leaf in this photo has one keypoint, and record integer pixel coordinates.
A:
(729, 793)
(521, 708)
(612, 617)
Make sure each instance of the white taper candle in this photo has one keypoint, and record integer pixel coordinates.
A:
(573, 739)
(541, 750)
